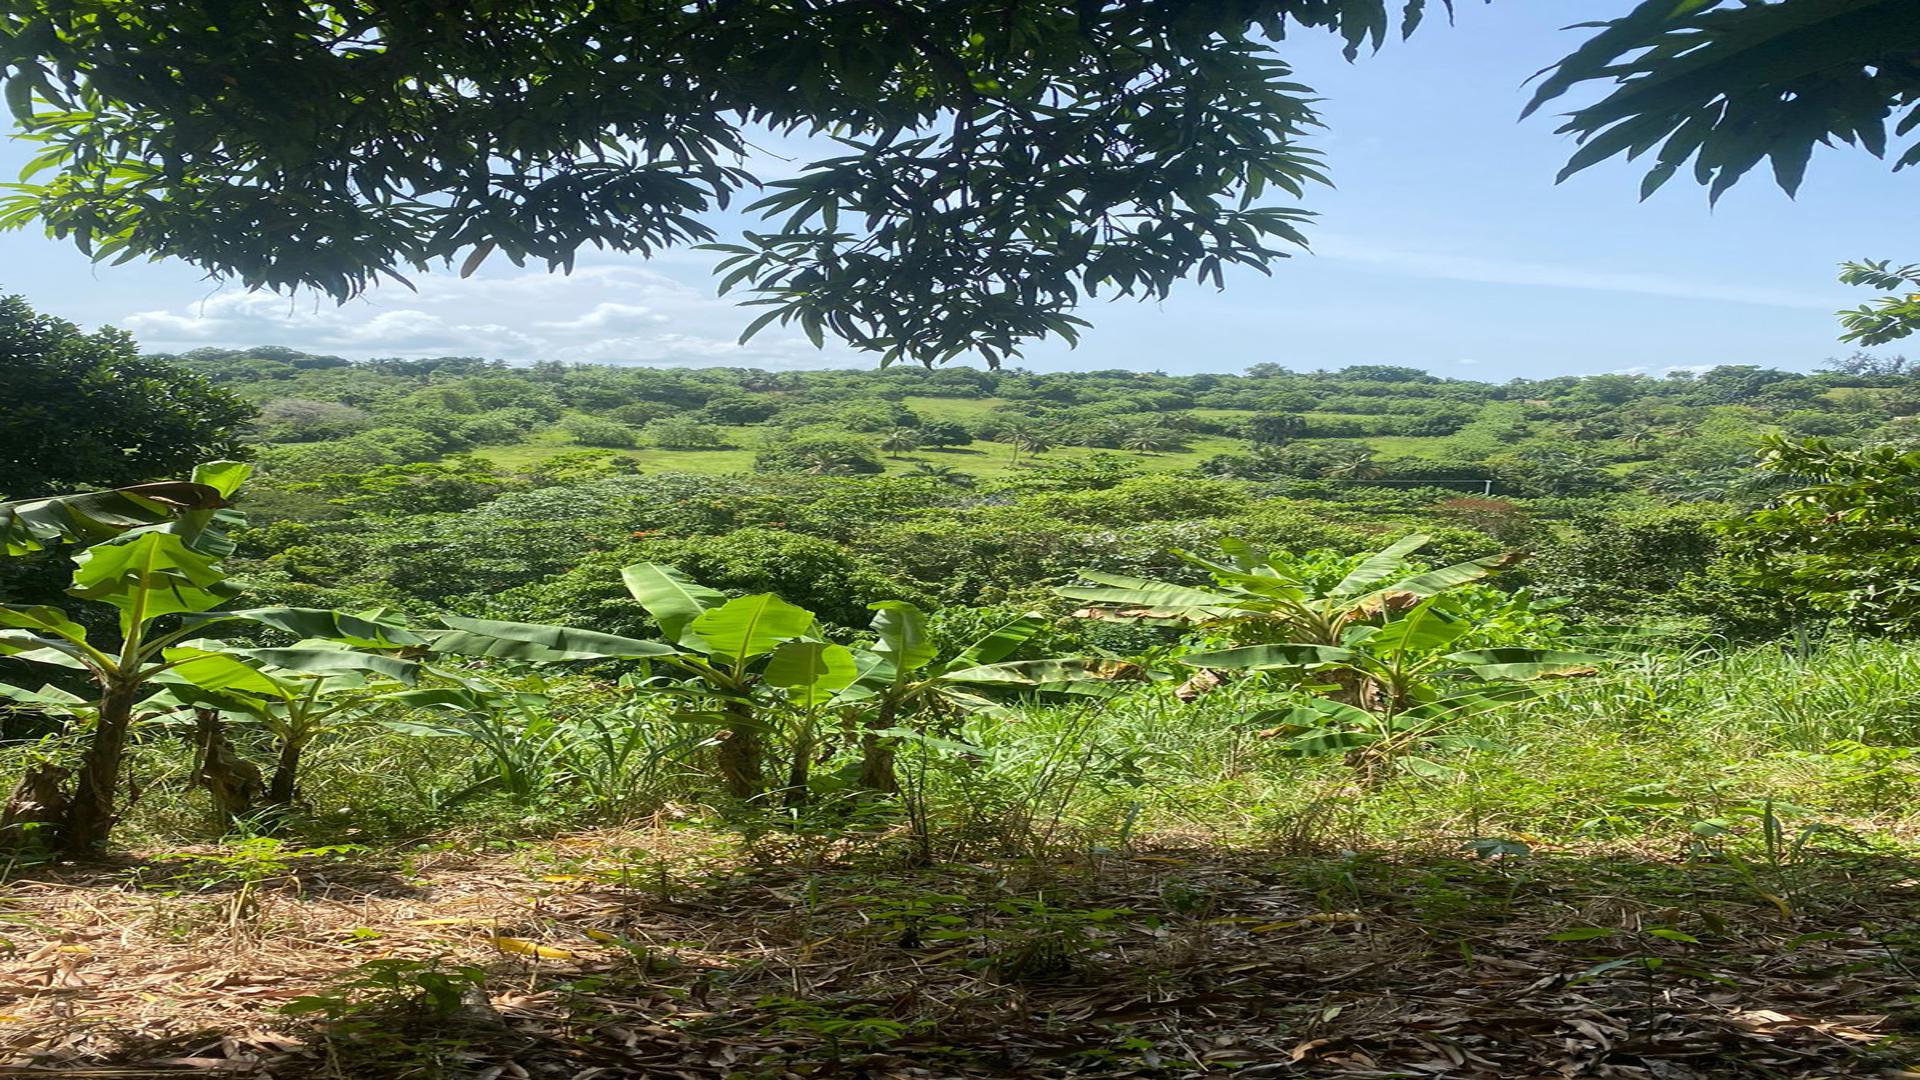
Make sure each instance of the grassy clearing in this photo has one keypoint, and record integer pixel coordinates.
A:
(1410, 446)
(945, 408)
(985, 460)
(1705, 857)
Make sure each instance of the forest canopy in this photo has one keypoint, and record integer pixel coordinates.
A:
(995, 164)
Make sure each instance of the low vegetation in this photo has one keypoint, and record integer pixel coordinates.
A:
(972, 723)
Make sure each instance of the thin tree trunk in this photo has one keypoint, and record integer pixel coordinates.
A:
(876, 754)
(234, 782)
(39, 801)
(90, 817)
(741, 765)
(280, 791)
(797, 775)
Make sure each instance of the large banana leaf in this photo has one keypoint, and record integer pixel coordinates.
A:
(1423, 629)
(35, 649)
(90, 517)
(1524, 664)
(1447, 577)
(671, 597)
(43, 621)
(811, 672)
(751, 626)
(360, 631)
(901, 630)
(539, 642)
(317, 660)
(453, 697)
(212, 670)
(209, 529)
(1048, 672)
(151, 574)
(1002, 642)
(47, 697)
(1380, 566)
(1280, 657)
(1143, 598)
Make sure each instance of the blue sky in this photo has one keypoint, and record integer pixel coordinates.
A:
(1446, 245)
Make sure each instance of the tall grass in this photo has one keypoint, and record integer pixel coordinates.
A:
(1712, 727)
(1708, 727)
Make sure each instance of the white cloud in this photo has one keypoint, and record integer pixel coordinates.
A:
(609, 316)
(1662, 372)
(608, 312)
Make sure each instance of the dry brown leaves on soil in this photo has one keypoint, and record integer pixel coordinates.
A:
(659, 954)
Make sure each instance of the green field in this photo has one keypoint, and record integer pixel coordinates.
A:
(986, 460)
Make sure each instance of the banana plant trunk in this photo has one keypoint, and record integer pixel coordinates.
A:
(742, 764)
(799, 775)
(90, 815)
(286, 772)
(876, 754)
(232, 781)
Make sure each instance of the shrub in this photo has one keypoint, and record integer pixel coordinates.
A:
(594, 431)
(820, 455)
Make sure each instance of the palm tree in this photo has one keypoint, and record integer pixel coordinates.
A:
(1639, 436)
(946, 474)
(1353, 463)
(1145, 440)
(1031, 442)
(823, 461)
(900, 441)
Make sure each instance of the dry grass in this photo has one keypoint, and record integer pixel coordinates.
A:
(670, 952)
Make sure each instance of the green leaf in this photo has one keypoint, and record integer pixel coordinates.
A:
(1448, 577)
(1526, 664)
(150, 574)
(43, 619)
(311, 660)
(1003, 641)
(211, 670)
(91, 517)
(901, 629)
(1269, 657)
(48, 697)
(1326, 710)
(1422, 629)
(1380, 565)
(750, 626)
(325, 624)
(224, 477)
(1135, 598)
(34, 649)
(1049, 672)
(671, 597)
(539, 642)
(1328, 742)
(811, 672)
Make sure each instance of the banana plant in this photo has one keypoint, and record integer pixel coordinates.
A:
(198, 509)
(1277, 597)
(748, 664)
(903, 683)
(297, 694)
(757, 667)
(1386, 688)
(165, 580)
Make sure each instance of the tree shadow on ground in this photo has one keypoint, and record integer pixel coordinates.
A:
(1168, 963)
